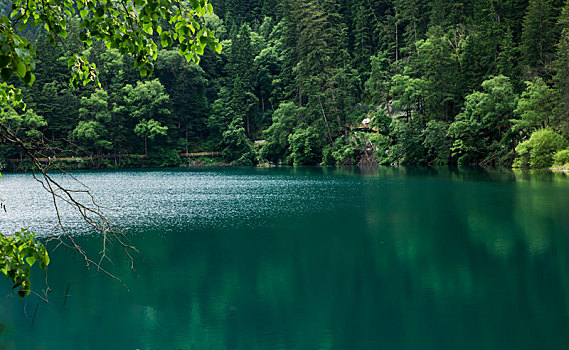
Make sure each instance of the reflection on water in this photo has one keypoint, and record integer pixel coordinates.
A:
(308, 258)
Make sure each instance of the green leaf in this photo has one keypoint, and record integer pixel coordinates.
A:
(31, 260)
(29, 78)
(21, 69)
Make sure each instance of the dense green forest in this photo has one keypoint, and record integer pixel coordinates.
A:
(441, 82)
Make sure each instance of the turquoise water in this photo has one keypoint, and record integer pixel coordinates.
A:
(303, 258)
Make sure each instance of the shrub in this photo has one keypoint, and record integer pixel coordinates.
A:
(305, 146)
(538, 151)
(277, 148)
(164, 157)
(341, 153)
(437, 143)
(130, 161)
(409, 147)
(237, 146)
(247, 159)
(561, 158)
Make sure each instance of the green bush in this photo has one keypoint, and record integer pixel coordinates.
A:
(106, 164)
(276, 148)
(538, 151)
(345, 155)
(305, 146)
(164, 157)
(408, 148)
(208, 160)
(340, 153)
(437, 143)
(130, 161)
(237, 146)
(327, 158)
(561, 158)
(248, 158)
(382, 144)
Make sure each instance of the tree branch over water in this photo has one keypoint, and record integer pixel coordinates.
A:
(129, 27)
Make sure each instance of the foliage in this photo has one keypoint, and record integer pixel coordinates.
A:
(26, 125)
(92, 131)
(438, 61)
(377, 85)
(289, 67)
(535, 107)
(561, 159)
(437, 143)
(127, 26)
(237, 147)
(18, 254)
(538, 37)
(96, 106)
(276, 146)
(164, 157)
(341, 152)
(561, 70)
(478, 131)
(408, 94)
(305, 146)
(147, 100)
(149, 130)
(408, 147)
(538, 151)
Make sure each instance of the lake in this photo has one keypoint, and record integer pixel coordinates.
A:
(303, 258)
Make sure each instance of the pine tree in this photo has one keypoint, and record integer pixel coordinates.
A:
(450, 13)
(412, 23)
(538, 38)
(241, 59)
(363, 38)
(561, 69)
(322, 60)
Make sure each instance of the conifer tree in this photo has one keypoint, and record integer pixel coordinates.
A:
(538, 38)
(561, 69)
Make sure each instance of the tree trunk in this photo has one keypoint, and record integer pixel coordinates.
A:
(396, 43)
(326, 121)
(263, 103)
(247, 119)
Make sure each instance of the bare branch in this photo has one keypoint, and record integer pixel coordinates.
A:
(90, 211)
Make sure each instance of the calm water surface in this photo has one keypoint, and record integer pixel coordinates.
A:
(304, 258)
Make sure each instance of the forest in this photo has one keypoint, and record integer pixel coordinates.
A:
(421, 82)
